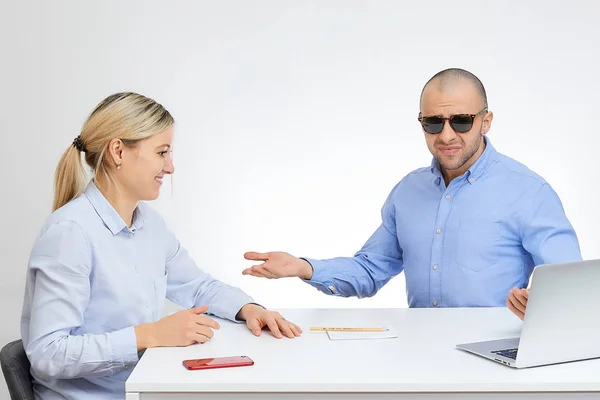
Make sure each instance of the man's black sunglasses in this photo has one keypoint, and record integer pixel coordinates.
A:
(461, 123)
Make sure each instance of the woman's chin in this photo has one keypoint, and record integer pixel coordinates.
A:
(151, 195)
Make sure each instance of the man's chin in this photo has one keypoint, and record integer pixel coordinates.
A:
(450, 165)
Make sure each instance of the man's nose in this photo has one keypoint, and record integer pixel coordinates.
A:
(447, 134)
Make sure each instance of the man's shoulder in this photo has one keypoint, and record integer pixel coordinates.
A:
(413, 179)
(519, 170)
(418, 177)
(419, 172)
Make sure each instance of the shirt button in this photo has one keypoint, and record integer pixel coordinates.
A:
(435, 266)
(130, 234)
(146, 304)
(331, 288)
(471, 180)
(438, 230)
(435, 303)
(448, 197)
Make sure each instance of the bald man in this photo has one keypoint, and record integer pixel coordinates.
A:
(467, 231)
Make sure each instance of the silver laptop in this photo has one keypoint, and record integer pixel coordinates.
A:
(562, 320)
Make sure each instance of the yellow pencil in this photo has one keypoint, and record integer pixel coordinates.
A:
(340, 329)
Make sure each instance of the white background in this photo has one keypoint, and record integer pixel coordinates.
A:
(294, 118)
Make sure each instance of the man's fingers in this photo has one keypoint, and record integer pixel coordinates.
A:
(263, 271)
(514, 310)
(269, 271)
(254, 272)
(520, 315)
(254, 256)
(520, 297)
(516, 303)
(248, 271)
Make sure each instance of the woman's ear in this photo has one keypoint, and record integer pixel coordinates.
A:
(115, 151)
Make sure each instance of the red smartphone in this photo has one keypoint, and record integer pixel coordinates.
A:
(218, 362)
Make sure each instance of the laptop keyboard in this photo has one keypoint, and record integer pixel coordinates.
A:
(508, 353)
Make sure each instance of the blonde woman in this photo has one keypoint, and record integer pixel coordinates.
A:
(104, 262)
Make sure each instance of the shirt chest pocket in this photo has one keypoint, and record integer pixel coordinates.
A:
(476, 246)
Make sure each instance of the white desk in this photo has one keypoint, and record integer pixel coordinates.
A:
(421, 363)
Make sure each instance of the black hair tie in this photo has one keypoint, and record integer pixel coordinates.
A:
(78, 144)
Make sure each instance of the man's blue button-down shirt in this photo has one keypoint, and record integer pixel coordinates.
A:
(465, 245)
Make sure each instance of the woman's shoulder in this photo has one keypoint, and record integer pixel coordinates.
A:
(72, 220)
(76, 211)
(63, 231)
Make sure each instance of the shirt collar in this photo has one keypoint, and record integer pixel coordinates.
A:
(436, 171)
(485, 160)
(108, 214)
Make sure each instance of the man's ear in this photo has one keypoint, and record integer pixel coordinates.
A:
(487, 122)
